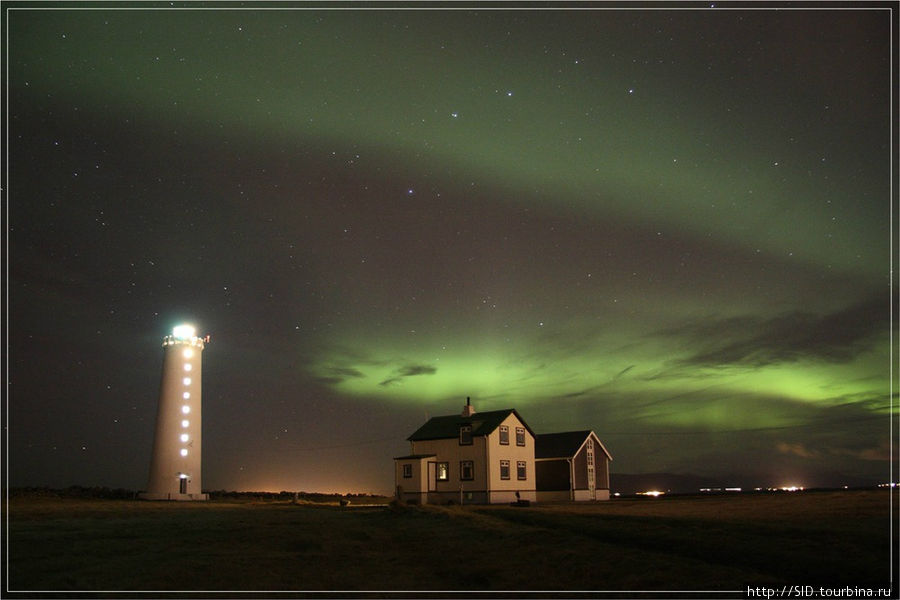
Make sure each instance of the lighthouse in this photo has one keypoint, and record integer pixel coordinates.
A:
(176, 460)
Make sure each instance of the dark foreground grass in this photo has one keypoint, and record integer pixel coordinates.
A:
(717, 543)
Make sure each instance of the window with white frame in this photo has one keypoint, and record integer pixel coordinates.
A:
(504, 435)
(504, 469)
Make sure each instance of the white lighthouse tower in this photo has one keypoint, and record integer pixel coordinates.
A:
(175, 464)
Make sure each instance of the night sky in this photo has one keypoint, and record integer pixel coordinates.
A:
(670, 226)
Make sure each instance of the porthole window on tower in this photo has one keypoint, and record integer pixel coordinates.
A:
(185, 409)
(185, 423)
(188, 367)
(186, 395)
(184, 437)
(188, 353)
(186, 381)
(184, 451)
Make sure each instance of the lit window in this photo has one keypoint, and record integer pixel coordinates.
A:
(185, 409)
(442, 472)
(186, 381)
(188, 367)
(520, 436)
(466, 470)
(184, 451)
(187, 353)
(504, 435)
(185, 423)
(465, 435)
(186, 395)
(504, 469)
(521, 470)
(184, 437)
(407, 471)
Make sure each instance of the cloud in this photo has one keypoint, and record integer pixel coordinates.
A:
(623, 371)
(411, 370)
(751, 341)
(337, 375)
(408, 371)
(347, 372)
(881, 452)
(796, 449)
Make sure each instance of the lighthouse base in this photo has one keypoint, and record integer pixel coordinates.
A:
(172, 496)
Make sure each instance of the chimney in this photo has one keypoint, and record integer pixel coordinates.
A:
(468, 409)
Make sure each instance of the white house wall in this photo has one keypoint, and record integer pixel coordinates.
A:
(504, 490)
(451, 452)
(414, 487)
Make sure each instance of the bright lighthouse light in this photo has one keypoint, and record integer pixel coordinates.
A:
(183, 332)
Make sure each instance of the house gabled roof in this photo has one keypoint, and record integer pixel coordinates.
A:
(415, 457)
(483, 423)
(563, 445)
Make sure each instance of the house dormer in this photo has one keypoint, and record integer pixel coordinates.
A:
(465, 435)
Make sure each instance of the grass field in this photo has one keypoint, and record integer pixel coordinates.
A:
(676, 543)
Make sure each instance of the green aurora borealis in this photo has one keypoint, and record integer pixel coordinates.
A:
(670, 226)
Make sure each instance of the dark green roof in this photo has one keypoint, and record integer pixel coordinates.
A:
(565, 444)
(483, 423)
(557, 445)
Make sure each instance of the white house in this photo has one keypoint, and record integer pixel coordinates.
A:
(572, 465)
(473, 457)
